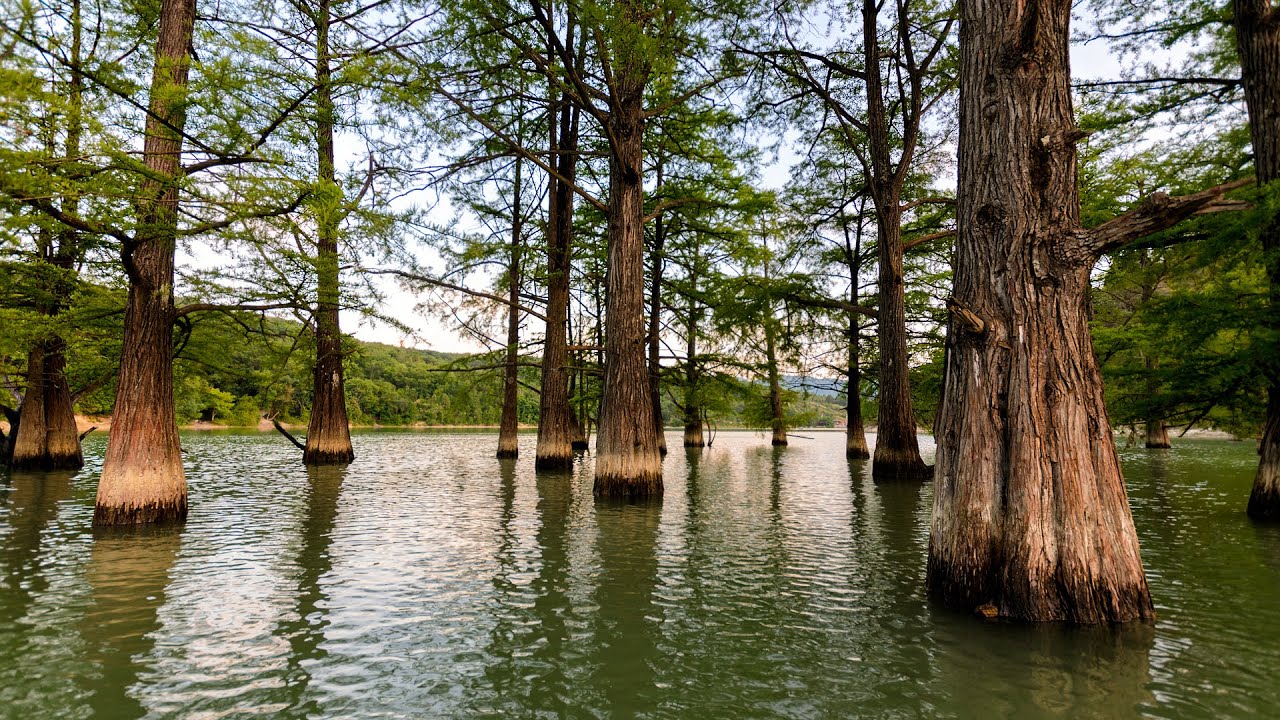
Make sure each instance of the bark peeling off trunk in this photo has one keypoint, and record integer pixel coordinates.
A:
(46, 437)
(628, 463)
(1030, 511)
(142, 477)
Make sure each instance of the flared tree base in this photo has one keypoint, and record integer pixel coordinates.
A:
(628, 476)
(857, 453)
(580, 445)
(699, 443)
(557, 462)
(70, 461)
(507, 454)
(1079, 597)
(899, 465)
(778, 442)
(1264, 503)
(172, 510)
(322, 456)
(1158, 445)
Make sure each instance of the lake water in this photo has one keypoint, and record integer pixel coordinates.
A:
(430, 580)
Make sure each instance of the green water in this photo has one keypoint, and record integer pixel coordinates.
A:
(430, 580)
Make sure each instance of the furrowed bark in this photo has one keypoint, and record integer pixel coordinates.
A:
(555, 417)
(142, 477)
(508, 445)
(329, 432)
(1030, 511)
(1258, 40)
(46, 437)
(628, 463)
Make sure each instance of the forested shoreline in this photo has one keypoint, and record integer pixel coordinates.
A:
(196, 202)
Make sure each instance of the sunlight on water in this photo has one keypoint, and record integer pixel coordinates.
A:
(430, 580)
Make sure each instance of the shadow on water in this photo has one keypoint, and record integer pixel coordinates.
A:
(304, 628)
(626, 619)
(128, 573)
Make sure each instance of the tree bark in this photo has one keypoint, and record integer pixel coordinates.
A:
(142, 477)
(655, 326)
(46, 437)
(555, 418)
(1030, 512)
(329, 432)
(508, 445)
(855, 434)
(897, 454)
(777, 420)
(1157, 435)
(1258, 39)
(693, 403)
(628, 463)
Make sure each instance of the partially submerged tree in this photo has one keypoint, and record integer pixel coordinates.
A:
(1030, 512)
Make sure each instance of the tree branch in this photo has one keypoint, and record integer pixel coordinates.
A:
(1156, 213)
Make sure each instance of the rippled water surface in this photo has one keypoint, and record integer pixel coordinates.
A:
(430, 580)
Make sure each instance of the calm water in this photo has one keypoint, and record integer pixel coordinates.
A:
(430, 580)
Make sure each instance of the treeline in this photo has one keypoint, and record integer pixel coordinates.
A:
(974, 240)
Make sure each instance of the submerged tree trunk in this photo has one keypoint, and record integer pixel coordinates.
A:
(46, 437)
(1258, 39)
(777, 420)
(329, 433)
(142, 478)
(855, 434)
(555, 418)
(1157, 435)
(693, 407)
(508, 446)
(628, 463)
(1030, 512)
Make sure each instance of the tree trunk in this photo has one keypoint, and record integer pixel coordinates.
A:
(897, 452)
(47, 438)
(142, 478)
(692, 379)
(329, 433)
(1258, 39)
(855, 434)
(655, 325)
(1030, 512)
(1157, 435)
(555, 418)
(508, 446)
(628, 463)
(777, 421)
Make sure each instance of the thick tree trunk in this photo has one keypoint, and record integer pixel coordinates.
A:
(142, 478)
(1157, 435)
(1030, 512)
(47, 438)
(329, 432)
(777, 420)
(692, 381)
(555, 419)
(897, 454)
(1258, 39)
(628, 463)
(508, 446)
(655, 329)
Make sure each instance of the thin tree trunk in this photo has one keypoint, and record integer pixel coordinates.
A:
(855, 436)
(555, 418)
(508, 445)
(1258, 39)
(897, 453)
(1030, 520)
(777, 422)
(142, 478)
(628, 463)
(329, 432)
(692, 377)
(655, 326)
